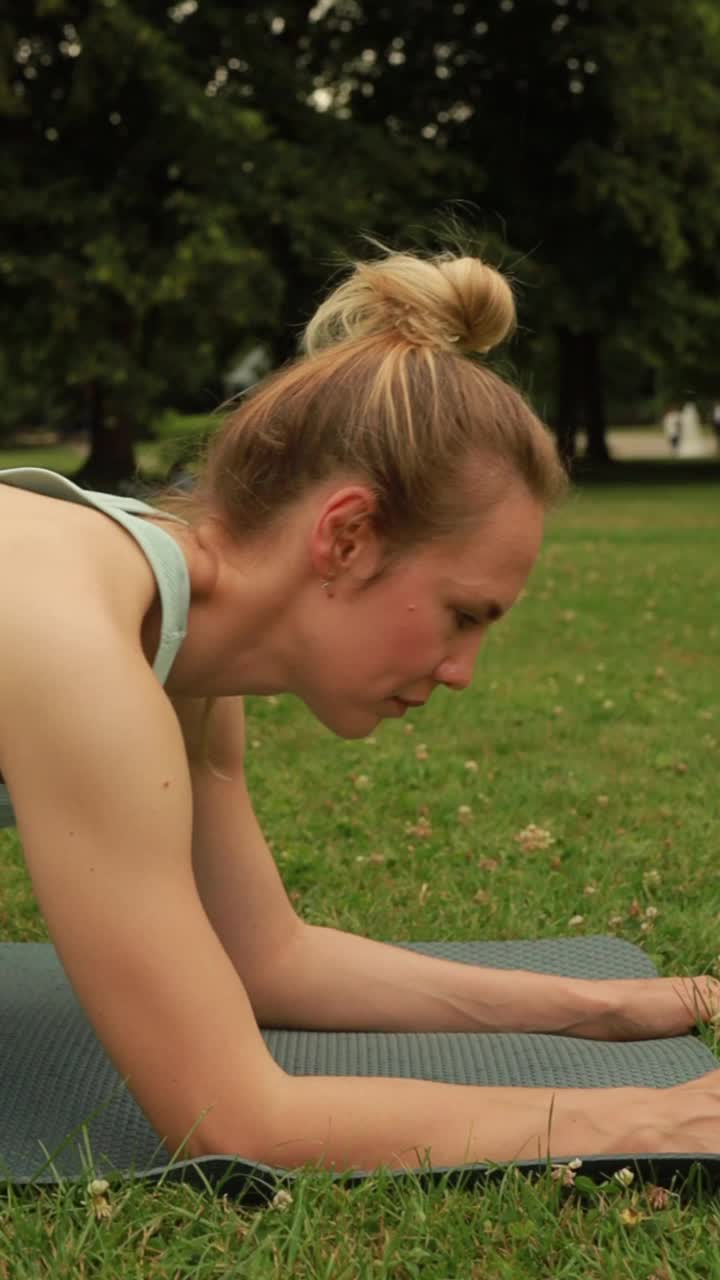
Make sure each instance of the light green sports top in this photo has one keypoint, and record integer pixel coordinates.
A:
(166, 561)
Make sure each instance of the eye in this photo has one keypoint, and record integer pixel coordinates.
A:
(465, 620)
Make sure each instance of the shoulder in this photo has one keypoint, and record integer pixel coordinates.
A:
(57, 555)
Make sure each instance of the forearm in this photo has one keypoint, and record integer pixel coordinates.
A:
(347, 1123)
(329, 980)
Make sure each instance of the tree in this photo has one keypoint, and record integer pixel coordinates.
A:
(583, 126)
(182, 199)
(126, 250)
(185, 180)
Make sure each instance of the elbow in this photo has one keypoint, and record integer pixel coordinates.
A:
(255, 1130)
(240, 1142)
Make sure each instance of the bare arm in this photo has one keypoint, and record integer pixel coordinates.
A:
(334, 980)
(95, 762)
(298, 975)
(364, 1123)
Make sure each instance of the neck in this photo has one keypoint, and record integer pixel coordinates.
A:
(241, 617)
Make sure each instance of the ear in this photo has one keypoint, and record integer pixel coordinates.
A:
(344, 538)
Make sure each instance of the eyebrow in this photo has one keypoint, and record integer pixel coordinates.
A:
(490, 610)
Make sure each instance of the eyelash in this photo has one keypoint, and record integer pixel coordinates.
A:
(465, 620)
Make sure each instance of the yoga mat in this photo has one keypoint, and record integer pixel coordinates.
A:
(65, 1113)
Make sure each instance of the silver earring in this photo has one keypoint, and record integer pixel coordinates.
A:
(326, 584)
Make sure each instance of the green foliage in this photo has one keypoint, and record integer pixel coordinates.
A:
(185, 180)
(175, 208)
(128, 255)
(587, 133)
(181, 437)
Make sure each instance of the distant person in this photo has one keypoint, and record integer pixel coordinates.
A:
(672, 427)
(692, 441)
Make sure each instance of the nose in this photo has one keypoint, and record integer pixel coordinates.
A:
(455, 675)
(456, 670)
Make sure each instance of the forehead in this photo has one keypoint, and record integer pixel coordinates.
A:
(495, 555)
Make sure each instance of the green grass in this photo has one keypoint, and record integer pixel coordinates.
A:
(64, 458)
(68, 458)
(177, 437)
(596, 715)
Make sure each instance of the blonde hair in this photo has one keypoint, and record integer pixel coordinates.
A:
(385, 390)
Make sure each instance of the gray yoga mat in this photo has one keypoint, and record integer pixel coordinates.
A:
(65, 1113)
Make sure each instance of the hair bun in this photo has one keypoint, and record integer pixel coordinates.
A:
(445, 303)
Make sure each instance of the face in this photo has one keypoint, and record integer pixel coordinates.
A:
(389, 645)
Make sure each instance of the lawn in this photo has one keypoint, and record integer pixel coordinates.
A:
(595, 715)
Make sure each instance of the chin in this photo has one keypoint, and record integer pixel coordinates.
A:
(346, 722)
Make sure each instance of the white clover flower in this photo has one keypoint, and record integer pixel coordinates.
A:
(97, 1190)
(282, 1200)
(658, 1197)
(533, 837)
(422, 828)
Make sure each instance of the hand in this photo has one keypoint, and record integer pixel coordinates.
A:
(687, 1116)
(650, 1008)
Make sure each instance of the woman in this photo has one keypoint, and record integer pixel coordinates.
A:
(359, 523)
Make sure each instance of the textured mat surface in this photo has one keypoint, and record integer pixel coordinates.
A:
(64, 1110)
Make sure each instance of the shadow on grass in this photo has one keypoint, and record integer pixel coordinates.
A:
(649, 472)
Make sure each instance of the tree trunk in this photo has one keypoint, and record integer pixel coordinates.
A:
(593, 398)
(111, 463)
(300, 296)
(567, 411)
(580, 396)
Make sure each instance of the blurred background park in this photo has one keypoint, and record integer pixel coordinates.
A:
(181, 183)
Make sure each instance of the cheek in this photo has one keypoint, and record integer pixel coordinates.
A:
(415, 629)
